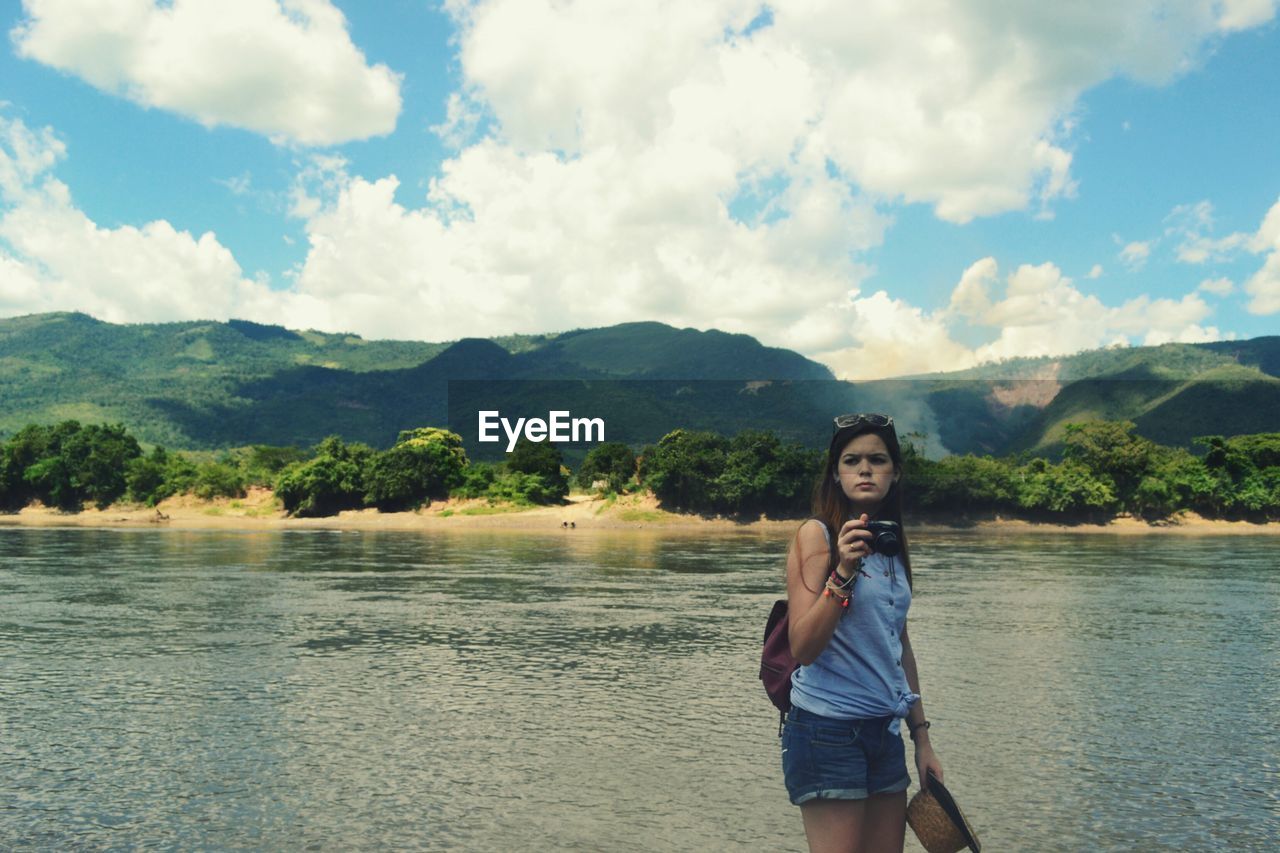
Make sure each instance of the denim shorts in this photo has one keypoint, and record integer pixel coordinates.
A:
(831, 759)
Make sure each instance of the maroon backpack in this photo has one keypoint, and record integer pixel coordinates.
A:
(776, 662)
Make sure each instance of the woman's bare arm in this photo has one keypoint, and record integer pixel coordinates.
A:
(813, 617)
(925, 758)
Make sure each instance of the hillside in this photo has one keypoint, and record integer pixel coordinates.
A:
(205, 385)
(1172, 392)
(208, 385)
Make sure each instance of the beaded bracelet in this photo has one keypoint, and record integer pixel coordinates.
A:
(843, 599)
(837, 592)
(842, 583)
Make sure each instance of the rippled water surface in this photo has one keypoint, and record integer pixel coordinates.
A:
(594, 691)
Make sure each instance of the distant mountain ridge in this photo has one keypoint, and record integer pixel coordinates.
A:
(1172, 392)
(212, 384)
(200, 385)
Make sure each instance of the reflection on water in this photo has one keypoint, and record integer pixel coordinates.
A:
(486, 690)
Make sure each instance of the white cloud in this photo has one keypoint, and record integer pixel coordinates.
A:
(1043, 313)
(1040, 313)
(19, 287)
(606, 155)
(435, 273)
(25, 155)
(1191, 225)
(1243, 14)
(525, 243)
(1158, 321)
(53, 257)
(963, 106)
(1135, 254)
(239, 185)
(283, 68)
(602, 146)
(1264, 285)
(1095, 271)
(971, 298)
(462, 120)
(1217, 286)
(894, 338)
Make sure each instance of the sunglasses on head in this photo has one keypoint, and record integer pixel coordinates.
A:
(863, 419)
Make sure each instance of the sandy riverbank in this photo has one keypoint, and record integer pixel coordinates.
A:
(259, 511)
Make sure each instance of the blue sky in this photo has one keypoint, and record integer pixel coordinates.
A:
(918, 187)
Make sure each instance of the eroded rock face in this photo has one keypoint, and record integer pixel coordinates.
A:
(1033, 392)
(1038, 390)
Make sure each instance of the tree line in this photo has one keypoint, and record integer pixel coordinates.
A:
(1104, 469)
(69, 466)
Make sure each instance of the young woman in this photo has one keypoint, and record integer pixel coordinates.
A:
(842, 753)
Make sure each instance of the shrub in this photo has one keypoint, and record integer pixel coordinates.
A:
(476, 480)
(330, 482)
(519, 488)
(424, 463)
(544, 460)
(218, 480)
(613, 462)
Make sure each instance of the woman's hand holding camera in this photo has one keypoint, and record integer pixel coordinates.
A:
(853, 544)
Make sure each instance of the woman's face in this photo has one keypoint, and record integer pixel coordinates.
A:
(866, 472)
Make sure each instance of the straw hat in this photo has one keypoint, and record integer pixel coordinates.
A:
(938, 822)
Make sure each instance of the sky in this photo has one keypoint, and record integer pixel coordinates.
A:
(888, 187)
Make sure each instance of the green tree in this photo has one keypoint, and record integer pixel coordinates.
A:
(265, 461)
(161, 474)
(681, 468)
(180, 476)
(1258, 495)
(145, 476)
(1237, 466)
(423, 464)
(25, 449)
(1186, 484)
(10, 482)
(1261, 449)
(542, 459)
(51, 481)
(1154, 498)
(1111, 451)
(760, 474)
(1226, 458)
(613, 462)
(1069, 488)
(98, 456)
(520, 488)
(66, 465)
(918, 471)
(966, 483)
(328, 483)
(476, 480)
(219, 479)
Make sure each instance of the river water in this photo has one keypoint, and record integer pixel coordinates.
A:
(491, 690)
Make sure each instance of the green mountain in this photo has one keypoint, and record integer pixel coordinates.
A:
(207, 385)
(1172, 393)
(201, 385)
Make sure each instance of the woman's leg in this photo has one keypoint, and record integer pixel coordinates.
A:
(833, 826)
(884, 824)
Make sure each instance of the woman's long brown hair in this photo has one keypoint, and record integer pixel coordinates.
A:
(832, 505)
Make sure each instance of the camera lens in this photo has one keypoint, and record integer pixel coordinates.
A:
(888, 544)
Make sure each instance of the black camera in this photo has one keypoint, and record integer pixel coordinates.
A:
(886, 538)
